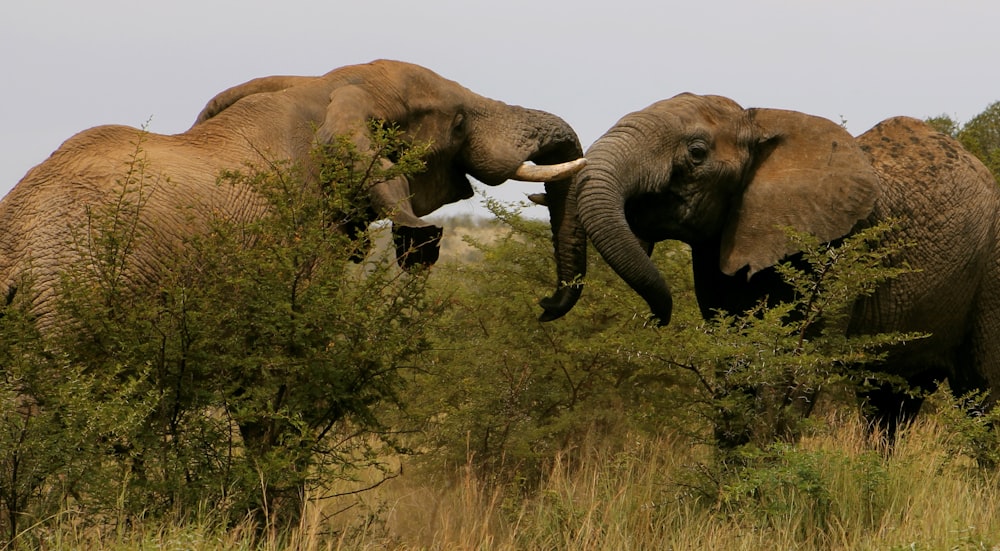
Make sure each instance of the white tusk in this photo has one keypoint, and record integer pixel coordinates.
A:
(547, 173)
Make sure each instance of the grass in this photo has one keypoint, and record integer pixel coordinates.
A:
(454, 244)
(834, 490)
(646, 494)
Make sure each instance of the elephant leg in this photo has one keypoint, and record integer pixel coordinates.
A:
(979, 366)
(890, 408)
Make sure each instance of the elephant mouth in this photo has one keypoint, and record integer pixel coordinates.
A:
(657, 217)
(462, 185)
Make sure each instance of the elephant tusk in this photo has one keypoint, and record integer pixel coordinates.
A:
(539, 199)
(546, 173)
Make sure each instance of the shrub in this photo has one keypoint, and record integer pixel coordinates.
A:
(254, 367)
(511, 392)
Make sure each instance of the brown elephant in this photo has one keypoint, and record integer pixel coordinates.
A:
(281, 118)
(728, 180)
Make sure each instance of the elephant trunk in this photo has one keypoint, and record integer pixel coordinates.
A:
(554, 141)
(570, 243)
(602, 189)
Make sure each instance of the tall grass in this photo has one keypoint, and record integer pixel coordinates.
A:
(641, 496)
(645, 494)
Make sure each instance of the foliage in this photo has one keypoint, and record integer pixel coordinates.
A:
(515, 392)
(51, 423)
(754, 377)
(980, 135)
(253, 369)
(944, 124)
(511, 391)
(264, 366)
(973, 421)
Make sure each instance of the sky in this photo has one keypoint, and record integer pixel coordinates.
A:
(68, 65)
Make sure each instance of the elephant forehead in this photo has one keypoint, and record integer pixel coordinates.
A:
(690, 107)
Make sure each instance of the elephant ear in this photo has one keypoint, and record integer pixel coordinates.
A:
(809, 175)
(348, 114)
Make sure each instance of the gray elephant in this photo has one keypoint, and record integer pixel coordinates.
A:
(281, 118)
(728, 180)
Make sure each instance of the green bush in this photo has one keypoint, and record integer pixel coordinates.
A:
(53, 418)
(510, 392)
(754, 377)
(980, 135)
(972, 421)
(257, 366)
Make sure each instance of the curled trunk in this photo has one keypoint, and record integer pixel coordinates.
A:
(602, 189)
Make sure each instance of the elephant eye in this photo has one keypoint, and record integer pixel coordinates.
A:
(698, 152)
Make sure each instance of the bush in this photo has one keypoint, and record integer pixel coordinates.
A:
(53, 417)
(256, 366)
(512, 391)
(980, 135)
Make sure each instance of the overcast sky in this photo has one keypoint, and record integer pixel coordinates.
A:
(68, 65)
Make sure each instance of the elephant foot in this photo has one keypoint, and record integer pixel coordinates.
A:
(891, 408)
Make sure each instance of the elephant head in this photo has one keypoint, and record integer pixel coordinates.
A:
(282, 118)
(468, 135)
(726, 180)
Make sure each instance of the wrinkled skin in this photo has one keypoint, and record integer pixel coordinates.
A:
(281, 118)
(726, 180)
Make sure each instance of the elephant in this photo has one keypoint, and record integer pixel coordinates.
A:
(730, 181)
(282, 118)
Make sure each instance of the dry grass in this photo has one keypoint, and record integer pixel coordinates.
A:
(454, 244)
(630, 497)
(640, 495)
(919, 497)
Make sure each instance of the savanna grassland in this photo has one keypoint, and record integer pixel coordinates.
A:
(529, 447)
(272, 392)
